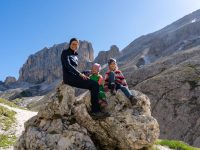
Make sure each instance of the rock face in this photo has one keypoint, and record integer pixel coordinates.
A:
(164, 66)
(64, 123)
(45, 65)
(12, 94)
(178, 36)
(28, 90)
(173, 85)
(104, 56)
(3, 87)
(10, 80)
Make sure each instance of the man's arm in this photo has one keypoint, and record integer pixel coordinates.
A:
(124, 83)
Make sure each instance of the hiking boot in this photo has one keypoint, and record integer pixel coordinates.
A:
(99, 115)
(133, 100)
(103, 103)
(113, 92)
(112, 89)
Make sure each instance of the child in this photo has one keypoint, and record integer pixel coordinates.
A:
(98, 78)
(114, 80)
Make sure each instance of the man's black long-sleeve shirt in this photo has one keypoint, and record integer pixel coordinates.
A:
(69, 62)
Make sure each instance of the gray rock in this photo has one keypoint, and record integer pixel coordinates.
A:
(178, 36)
(26, 91)
(10, 80)
(128, 127)
(64, 123)
(104, 56)
(3, 87)
(12, 94)
(173, 85)
(45, 65)
(54, 126)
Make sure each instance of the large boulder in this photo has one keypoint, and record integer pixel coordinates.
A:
(54, 126)
(64, 123)
(128, 127)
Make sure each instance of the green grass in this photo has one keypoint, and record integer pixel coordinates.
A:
(7, 140)
(11, 104)
(16, 101)
(6, 102)
(190, 66)
(177, 145)
(7, 118)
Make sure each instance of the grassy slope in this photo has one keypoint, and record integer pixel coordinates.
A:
(177, 145)
(7, 119)
(11, 104)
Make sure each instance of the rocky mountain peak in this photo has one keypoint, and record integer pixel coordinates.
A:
(104, 56)
(178, 36)
(45, 65)
(10, 80)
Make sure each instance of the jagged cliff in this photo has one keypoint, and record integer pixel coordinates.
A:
(104, 56)
(45, 65)
(178, 36)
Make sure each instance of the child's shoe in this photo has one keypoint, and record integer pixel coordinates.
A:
(99, 115)
(103, 103)
(133, 100)
(112, 89)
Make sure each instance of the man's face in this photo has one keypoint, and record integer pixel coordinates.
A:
(112, 66)
(74, 45)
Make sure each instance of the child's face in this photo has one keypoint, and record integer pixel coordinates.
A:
(94, 70)
(113, 66)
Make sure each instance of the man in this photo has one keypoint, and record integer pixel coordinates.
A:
(73, 77)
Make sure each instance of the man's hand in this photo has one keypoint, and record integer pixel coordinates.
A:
(83, 76)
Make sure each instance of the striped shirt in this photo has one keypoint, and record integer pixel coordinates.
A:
(119, 78)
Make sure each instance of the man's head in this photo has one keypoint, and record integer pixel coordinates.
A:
(73, 44)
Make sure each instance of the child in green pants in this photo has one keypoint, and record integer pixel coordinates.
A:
(98, 78)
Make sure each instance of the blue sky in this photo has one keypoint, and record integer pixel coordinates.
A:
(27, 26)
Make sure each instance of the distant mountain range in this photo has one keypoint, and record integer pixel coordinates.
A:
(45, 66)
(178, 36)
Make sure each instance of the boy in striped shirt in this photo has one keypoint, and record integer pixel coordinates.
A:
(114, 80)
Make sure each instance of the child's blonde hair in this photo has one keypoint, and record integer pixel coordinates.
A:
(97, 66)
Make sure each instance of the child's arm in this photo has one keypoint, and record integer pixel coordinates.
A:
(106, 82)
(124, 83)
(87, 73)
(100, 81)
